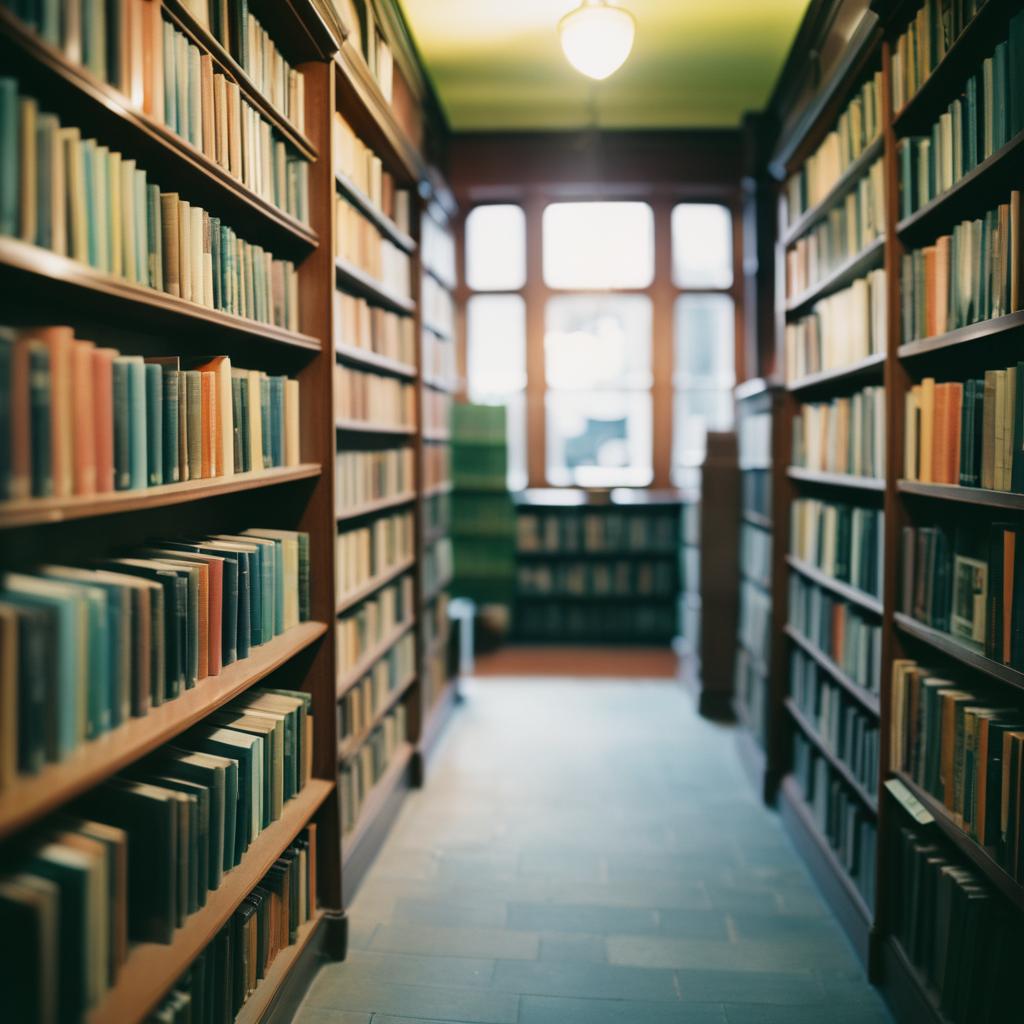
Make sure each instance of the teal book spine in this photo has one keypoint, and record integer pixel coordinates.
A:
(194, 413)
(195, 126)
(215, 262)
(40, 397)
(122, 426)
(171, 473)
(154, 238)
(6, 352)
(49, 21)
(1000, 99)
(154, 424)
(236, 425)
(138, 445)
(141, 228)
(269, 590)
(305, 611)
(256, 597)
(98, 697)
(265, 414)
(277, 420)
(115, 23)
(1015, 60)
(46, 140)
(92, 226)
(170, 83)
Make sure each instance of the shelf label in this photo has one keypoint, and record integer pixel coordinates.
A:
(909, 802)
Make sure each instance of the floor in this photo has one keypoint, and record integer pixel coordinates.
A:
(589, 854)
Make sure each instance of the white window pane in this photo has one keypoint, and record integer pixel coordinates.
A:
(598, 341)
(696, 412)
(496, 248)
(599, 439)
(598, 245)
(496, 346)
(705, 341)
(701, 246)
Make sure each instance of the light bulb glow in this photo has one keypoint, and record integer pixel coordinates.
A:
(597, 38)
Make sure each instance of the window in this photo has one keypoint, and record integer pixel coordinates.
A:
(496, 248)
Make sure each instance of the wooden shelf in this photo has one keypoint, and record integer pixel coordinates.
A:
(756, 519)
(958, 651)
(33, 796)
(984, 330)
(29, 266)
(868, 368)
(384, 224)
(151, 135)
(981, 496)
(435, 489)
(844, 590)
(353, 597)
(204, 39)
(846, 273)
(869, 701)
(436, 436)
(755, 387)
(40, 511)
(814, 476)
(369, 508)
(375, 800)
(255, 1007)
(351, 744)
(152, 969)
(976, 854)
(807, 727)
(946, 80)
(369, 427)
(907, 993)
(836, 194)
(967, 198)
(352, 279)
(366, 357)
(349, 677)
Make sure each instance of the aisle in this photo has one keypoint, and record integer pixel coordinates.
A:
(589, 853)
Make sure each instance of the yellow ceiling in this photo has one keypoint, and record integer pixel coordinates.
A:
(497, 64)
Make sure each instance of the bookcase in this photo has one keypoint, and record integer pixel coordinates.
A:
(897, 330)
(215, 503)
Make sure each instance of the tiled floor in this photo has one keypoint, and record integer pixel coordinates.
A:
(589, 855)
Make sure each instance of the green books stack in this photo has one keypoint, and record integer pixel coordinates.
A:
(483, 518)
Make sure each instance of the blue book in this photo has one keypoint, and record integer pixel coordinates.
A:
(1016, 66)
(138, 441)
(277, 420)
(154, 424)
(265, 414)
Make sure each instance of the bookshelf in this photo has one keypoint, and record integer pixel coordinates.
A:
(856, 807)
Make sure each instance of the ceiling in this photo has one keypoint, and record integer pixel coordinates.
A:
(497, 64)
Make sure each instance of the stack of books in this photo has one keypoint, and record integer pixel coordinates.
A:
(360, 703)
(361, 772)
(365, 171)
(361, 477)
(365, 552)
(377, 330)
(372, 398)
(844, 541)
(360, 243)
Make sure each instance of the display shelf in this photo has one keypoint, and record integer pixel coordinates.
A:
(948, 645)
(369, 508)
(352, 279)
(869, 701)
(995, 330)
(349, 677)
(807, 728)
(39, 511)
(384, 224)
(980, 496)
(353, 597)
(33, 796)
(869, 368)
(846, 273)
(351, 744)
(370, 427)
(844, 590)
(152, 969)
(373, 361)
(814, 476)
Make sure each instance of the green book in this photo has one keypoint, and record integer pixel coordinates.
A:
(194, 413)
(1015, 65)
(155, 424)
(140, 214)
(138, 446)
(199, 859)
(171, 474)
(170, 79)
(1000, 99)
(239, 417)
(217, 268)
(88, 151)
(266, 414)
(154, 238)
(122, 424)
(214, 774)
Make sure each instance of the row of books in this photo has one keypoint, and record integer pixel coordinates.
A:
(754, 621)
(83, 200)
(85, 649)
(957, 931)
(367, 36)
(438, 308)
(364, 552)
(842, 632)
(440, 363)
(541, 619)
(437, 565)
(142, 852)
(365, 170)
(360, 704)
(925, 41)
(967, 433)
(359, 242)
(620, 577)
(840, 723)
(566, 531)
(436, 514)
(970, 275)
(844, 232)
(843, 435)
(434, 625)
(369, 623)
(981, 120)
(374, 329)
(756, 554)
(223, 977)
(842, 329)
(756, 491)
(437, 250)
(844, 541)
(368, 397)
(839, 815)
(963, 746)
(245, 38)
(82, 420)
(361, 772)
(437, 413)
(750, 685)
(437, 465)
(856, 128)
(364, 476)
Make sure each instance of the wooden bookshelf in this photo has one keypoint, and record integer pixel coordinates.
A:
(845, 274)
(843, 590)
(372, 361)
(350, 744)
(822, 479)
(376, 802)
(349, 677)
(907, 992)
(866, 369)
(370, 508)
(980, 496)
(869, 701)
(373, 584)
(352, 278)
(997, 329)
(384, 224)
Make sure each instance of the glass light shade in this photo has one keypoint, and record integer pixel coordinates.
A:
(597, 38)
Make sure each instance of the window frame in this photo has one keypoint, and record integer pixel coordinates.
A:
(662, 292)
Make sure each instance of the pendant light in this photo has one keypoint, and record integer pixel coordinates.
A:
(597, 37)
